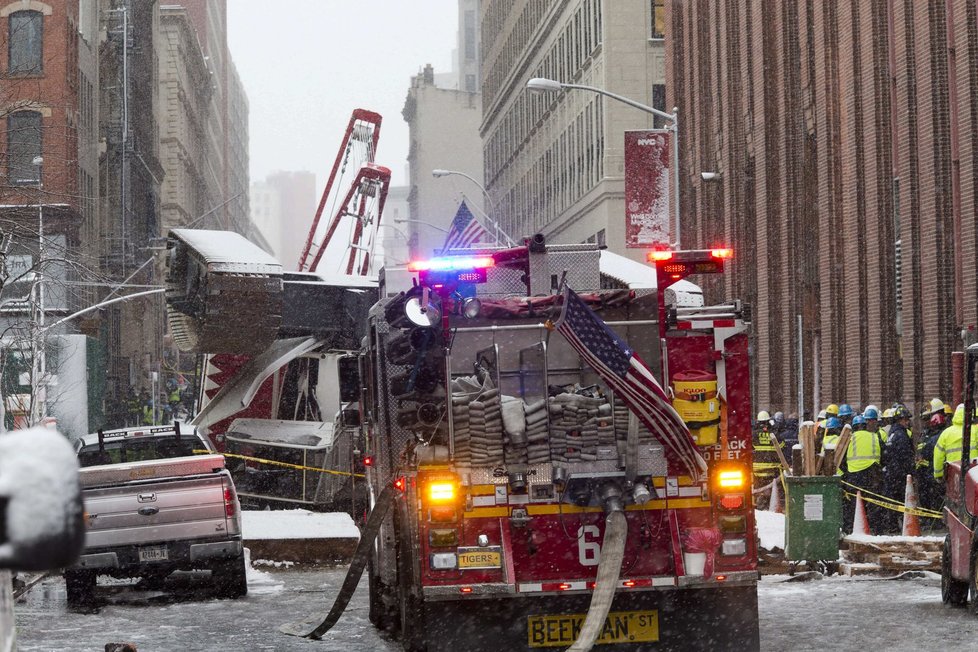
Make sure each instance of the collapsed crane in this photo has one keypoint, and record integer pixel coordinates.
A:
(228, 299)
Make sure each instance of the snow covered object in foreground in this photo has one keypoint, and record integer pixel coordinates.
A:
(41, 525)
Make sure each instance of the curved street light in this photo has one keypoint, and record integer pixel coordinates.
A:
(544, 85)
(404, 220)
(437, 173)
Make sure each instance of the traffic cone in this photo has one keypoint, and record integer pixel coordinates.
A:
(775, 504)
(911, 524)
(860, 524)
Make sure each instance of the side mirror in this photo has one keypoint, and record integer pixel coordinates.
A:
(41, 515)
(349, 372)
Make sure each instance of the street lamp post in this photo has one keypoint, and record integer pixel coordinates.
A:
(543, 85)
(38, 361)
(404, 220)
(492, 206)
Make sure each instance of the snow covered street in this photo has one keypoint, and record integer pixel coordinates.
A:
(835, 613)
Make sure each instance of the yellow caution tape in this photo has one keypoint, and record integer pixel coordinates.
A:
(889, 503)
(298, 467)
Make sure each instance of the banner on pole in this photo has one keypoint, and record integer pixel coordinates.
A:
(647, 187)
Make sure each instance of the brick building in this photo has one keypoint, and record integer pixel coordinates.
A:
(844, 135)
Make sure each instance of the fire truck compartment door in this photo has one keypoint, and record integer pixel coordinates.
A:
(238, 392)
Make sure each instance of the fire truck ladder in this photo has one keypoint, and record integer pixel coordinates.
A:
(359, 207)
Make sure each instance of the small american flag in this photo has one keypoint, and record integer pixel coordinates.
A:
(629, 378)
(465, 231)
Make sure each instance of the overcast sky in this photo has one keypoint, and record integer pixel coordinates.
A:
(306, 64)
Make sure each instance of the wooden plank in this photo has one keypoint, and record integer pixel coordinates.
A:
(843, 444)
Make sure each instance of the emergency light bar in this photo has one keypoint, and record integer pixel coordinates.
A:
(451, 264)
(451, 271)
(677, 265)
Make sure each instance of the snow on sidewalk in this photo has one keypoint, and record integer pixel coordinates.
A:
(770, 529)
(297, 524)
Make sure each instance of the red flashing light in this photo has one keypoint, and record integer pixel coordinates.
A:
(368, 460)
(656, 256)
(628, 583)
(400, 484)
(732, 501)
(721, 578)
(465, 589)
(721, 253)
(451, 263)
(563, 586)
(676, 277)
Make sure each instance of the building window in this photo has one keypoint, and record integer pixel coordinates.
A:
(23, 145)
(470, 84)
(658, 18)
(25, 42)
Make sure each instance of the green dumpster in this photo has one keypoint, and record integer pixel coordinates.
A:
(814, 517)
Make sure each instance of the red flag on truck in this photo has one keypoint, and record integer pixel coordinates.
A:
(629, 378)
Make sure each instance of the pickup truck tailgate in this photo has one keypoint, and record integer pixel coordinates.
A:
(139, 511)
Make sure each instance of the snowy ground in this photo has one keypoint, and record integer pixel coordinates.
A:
(186, 616)
(830, 614)
(861, 614)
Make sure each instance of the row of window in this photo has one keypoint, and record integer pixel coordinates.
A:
(571, 166)
(516, 42)
(564, 60)
(25, 43)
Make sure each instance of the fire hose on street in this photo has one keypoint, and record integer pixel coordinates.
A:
(609, 570)
(315, 626)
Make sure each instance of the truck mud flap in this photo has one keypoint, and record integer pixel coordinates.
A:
(315, 626)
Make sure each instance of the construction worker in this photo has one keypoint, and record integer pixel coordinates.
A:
(833, 428)
(949, 444)
(887, 420)
(928, 491)
(898, 463)
(846, 413)
(766, 460)
(860, 469)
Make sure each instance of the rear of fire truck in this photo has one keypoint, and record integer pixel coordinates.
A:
(529, 493)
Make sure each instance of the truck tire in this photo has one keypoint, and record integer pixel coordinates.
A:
(953, 592)
(80, 587)
(381, 614)
(411, 607)
(231, 578)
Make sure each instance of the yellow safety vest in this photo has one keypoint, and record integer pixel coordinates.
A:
(864, 450)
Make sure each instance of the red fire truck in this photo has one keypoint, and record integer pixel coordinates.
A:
(525, 496)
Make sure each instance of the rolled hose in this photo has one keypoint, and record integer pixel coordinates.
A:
(609, 571)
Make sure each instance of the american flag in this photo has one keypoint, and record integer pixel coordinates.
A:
(465, 231)
(629, 378)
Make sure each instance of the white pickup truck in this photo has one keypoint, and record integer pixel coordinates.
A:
(153, 507)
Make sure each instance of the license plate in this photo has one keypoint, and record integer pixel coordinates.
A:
(621, 627)
(473, 558)
(153, 553)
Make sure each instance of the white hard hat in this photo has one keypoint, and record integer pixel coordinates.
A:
(763, 416)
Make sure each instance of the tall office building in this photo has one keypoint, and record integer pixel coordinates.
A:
(554, 164)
